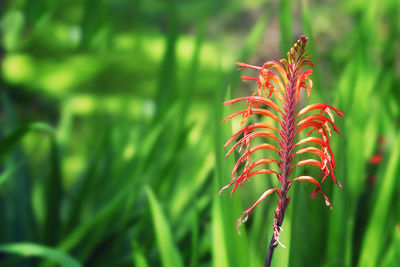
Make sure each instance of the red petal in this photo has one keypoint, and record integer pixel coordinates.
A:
(259, 162)
(279, 68)
(316, 125)
(309, 162)
(315, 192)
(248, 78)
(306, 178)
(320, 118)
(376, 159)
(249, 128)
(312, 139)
(305, 63)
(260, 172)
(245, 215)
(250, 151)
(241, 178)
(319, 141)
(245, 65)
(323, 158)
(256, 99)
(314, 150)
(274, 78)
(332, 175)
(254, 111)
(318, 106)
(301, 82)
(226, 187)
(250, 136)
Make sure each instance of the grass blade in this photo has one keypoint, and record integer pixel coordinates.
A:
(31, 249)
(139, 259)
(374, 237)
(170, 256)
(10, 141)
(53, 195)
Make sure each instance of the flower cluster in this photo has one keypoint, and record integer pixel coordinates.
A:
(279, 85)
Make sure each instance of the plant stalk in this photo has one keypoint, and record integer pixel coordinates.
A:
(273, 244)
(286, 154)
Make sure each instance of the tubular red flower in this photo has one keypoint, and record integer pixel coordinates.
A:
(249, 137)
(249, 128)
(256, 99)
(323, 107)
(317, 126)
(275, 65)
(324, 120)
(283, 81)
(324, 145)
(252, 111)
(316, 191)
(250, 151)
(245, 215)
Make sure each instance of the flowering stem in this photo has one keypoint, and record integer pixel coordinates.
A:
(273, 244)
(286, 154)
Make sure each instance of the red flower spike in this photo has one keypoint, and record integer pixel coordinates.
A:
(279, 85)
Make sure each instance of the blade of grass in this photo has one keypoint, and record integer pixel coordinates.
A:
(193, 69)
(20, 222)
(301, 243)
(84, 186)
(10, 141)
(194, 257)
(285, 20)
(170, 256)
(32, 249)
(126, 195)
(166, 81)
(373, 242)
(53, 192)
(103, 216)
(139, 259)
(391, 258)
(9, 172)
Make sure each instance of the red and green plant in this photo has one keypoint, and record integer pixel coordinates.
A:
(280, 85)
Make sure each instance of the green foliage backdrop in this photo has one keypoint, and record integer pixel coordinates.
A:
(111, 142)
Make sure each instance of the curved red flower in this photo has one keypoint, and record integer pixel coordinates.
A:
(282, 81)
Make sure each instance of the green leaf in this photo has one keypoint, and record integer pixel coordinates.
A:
(9, 172)
(285, 19)
(301, 248)
(31, 249)
(374, 240)
(53, 192)
(170, 256)
(139, 259)
(9, 142)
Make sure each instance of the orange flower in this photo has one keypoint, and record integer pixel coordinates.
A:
(284, 82)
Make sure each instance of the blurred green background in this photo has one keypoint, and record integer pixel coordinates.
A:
(111, 149)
